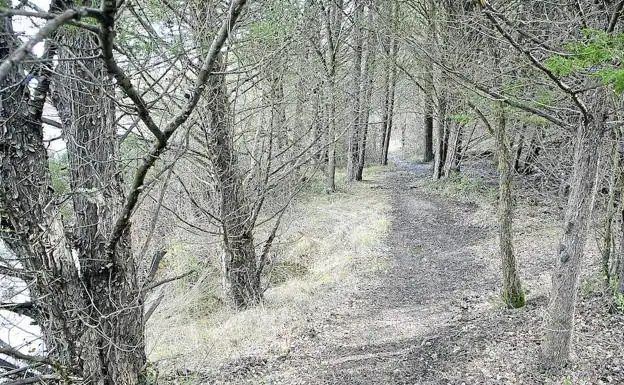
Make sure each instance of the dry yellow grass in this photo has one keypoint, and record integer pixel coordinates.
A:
(328, 234)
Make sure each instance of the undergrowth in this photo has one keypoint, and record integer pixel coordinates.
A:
(326, 242)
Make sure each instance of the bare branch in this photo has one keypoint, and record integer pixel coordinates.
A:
(156, 259)
(20, 53)
(25, 308)
(616, 16)
(9, 351)
(200, 84)
(49, 16)
(167, 280)
(488, 12)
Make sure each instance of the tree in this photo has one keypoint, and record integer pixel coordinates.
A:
(87, 295)
(356, 127)
(593, 111)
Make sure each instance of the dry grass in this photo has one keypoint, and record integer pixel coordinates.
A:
(323, 241)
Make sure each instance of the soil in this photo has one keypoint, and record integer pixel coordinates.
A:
(433, 315)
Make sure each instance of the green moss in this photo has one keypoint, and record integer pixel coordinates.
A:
(514, 300)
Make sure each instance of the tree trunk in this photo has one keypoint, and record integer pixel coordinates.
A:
(454, 149)
(367, 80)
(608, 240)
(428, 117)
(519, 148)
(619, 268)
(331, 136)
(620, 262)
(389, 104)
(110, 345)
(441, 140)
(86, 299)
(241, 275)
(560, 315)
(353, 151)
(332, 26)
(513, 294)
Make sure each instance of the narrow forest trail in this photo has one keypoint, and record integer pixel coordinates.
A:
(402, 325)
(423, 320)
(429, 312)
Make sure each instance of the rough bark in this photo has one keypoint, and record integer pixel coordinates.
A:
(239, 262)
(108, 340)
(560, 314)
(86, 299)
(451, 164)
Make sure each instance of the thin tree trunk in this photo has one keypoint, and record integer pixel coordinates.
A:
(519, 148)
(560, 314)
(368, 80)
(513, 295)
(619, 265)
(239, 263)
(428, 117)
(608, 240)
(384, 111)
(353, 151)
(331, 138)
(441, 140)
(390, 102)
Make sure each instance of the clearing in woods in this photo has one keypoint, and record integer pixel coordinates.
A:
(432, 315)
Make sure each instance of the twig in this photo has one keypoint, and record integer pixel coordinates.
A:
(164, 281)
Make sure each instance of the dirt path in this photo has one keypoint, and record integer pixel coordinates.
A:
(405, 326)
(432, 316)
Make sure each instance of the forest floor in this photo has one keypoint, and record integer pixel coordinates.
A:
(429, 312)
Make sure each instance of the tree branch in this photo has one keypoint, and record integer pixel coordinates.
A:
(25, 308)
(18, 55)
(616, 16)
(50, 16)
(9, 351)
(488, 11)
(150, 158)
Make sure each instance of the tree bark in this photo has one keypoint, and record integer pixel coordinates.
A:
(367, 81)
(353, 151)
(389, 103)
(428, 116)
(109, 343)
(454, 149)
(560, 314)
(241, 275)
(441, 138)
(512, 293)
